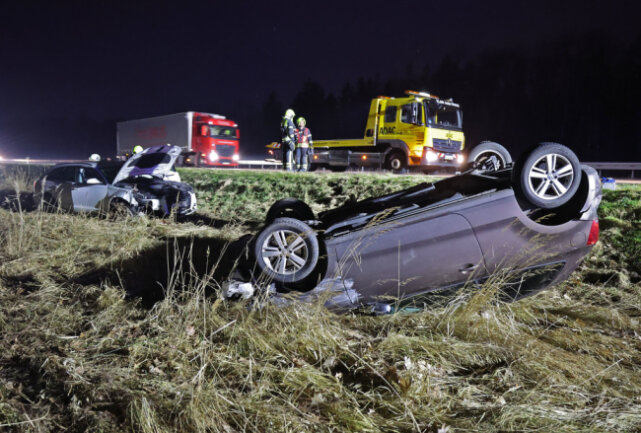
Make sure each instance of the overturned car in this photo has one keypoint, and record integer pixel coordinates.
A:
(146, 183)
(532, 222)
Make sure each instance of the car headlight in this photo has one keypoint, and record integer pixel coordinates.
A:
(213, 156)
(236, 157)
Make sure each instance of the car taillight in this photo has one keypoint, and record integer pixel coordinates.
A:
(593, 238)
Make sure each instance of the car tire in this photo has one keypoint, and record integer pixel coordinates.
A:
(286, 251)
(548, 176)
(488, 157)
(289, 207)
(120, 209)
(395, 161)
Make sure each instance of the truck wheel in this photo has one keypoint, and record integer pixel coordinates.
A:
(395, 161)
(286, 251)
(548, 176)
(489, 156)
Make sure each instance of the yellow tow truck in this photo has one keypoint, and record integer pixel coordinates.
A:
(419, 131)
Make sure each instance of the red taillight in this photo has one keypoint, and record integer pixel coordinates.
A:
(593, 238)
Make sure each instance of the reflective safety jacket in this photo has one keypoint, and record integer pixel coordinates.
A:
(287, 129)
(303, 138)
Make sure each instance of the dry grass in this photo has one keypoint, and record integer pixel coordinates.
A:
(79, 355)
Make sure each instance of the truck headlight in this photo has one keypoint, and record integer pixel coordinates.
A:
(236, 157)
(213, 156)
(460, 158)
(431, 156)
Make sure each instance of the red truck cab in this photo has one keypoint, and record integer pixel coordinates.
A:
(214, 140)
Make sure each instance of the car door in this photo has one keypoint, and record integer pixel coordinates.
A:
(409, 255)
(59, 184)
(89, 190)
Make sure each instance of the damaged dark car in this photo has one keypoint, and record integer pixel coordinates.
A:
(147, 183)
(532, 221)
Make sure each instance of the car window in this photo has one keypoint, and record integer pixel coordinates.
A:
(412, 113)
(110, 170)
(85, 173)
(390, 114)
(63, 174)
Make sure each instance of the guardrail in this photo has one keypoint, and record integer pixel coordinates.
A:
(632, 167)
(616, 166)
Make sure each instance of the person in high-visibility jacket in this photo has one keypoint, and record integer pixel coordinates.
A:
(288, 139)
(304, 145)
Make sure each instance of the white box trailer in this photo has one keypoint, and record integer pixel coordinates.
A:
(204, 137)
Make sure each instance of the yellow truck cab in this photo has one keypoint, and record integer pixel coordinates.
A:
(419, 130)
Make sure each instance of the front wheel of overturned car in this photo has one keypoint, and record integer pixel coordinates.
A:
(548, 176)
(286, 250)
(489, 156)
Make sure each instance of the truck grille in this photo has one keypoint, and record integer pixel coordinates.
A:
(446, 145)
(225, 150)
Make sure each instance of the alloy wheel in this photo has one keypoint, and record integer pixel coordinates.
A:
(284, 252)
(551, 176)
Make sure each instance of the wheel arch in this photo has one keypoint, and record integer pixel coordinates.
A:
(290, 207)
(389, 146)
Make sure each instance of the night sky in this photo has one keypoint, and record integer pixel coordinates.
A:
(70, 70)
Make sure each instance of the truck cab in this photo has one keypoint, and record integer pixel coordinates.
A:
(418, 130)
(214, 140)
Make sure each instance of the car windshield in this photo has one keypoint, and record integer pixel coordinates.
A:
(218, 131)
(110, 170)
(443, 116)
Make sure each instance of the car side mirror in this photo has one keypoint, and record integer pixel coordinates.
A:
(93, 181)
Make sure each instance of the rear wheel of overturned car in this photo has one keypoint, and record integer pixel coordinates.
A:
(489, 156)
(548, 176)
(287, 250)
(395, 161)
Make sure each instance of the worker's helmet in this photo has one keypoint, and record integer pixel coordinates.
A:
(94, 157)
(137, 149)
(290, 113)
(301, 122)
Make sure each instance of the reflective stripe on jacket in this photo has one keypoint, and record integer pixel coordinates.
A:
(303, 138)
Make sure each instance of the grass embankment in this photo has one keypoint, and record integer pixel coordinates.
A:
(77, 355)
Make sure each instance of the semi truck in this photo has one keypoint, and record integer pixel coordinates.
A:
(417, 131)
(206, 138)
